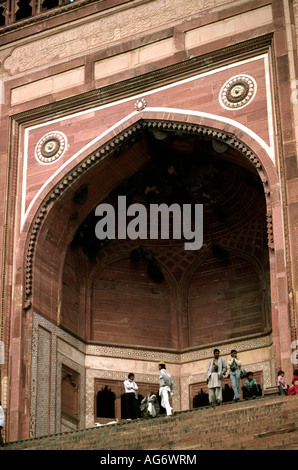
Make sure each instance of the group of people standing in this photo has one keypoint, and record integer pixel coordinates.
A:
(150, 403)
(217, 368)
(216, 371)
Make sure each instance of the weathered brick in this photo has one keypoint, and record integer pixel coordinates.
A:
(265, 423)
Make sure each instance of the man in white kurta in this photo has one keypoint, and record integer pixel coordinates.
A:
(166, 388)
(216, 370)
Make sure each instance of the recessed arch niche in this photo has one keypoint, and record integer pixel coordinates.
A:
(130, 308)
(226, 300)
(229, 186)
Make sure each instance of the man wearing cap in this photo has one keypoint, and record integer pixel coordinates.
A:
(166, 387)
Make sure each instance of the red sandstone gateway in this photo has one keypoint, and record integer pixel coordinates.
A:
(177, 102)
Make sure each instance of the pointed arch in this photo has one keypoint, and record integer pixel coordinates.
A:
(129, 130)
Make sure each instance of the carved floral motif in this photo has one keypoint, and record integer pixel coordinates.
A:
(50, 147)
(237, 92)
(140, 104)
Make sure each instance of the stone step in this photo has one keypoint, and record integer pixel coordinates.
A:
(264, 423)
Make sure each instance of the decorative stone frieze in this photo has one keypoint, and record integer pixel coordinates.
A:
(97, 34)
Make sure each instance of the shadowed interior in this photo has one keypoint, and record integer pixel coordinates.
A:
(155, 293)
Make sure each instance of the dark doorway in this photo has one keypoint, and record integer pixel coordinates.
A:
(105, 402)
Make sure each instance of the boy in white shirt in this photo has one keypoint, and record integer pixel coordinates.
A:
(131, 396)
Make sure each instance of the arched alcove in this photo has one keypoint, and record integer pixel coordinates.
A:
(107, 298)
(225, 300)
(130, 308)
(59, 217)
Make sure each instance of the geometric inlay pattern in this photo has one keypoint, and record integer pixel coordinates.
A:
(237, 92)
(50, 147)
